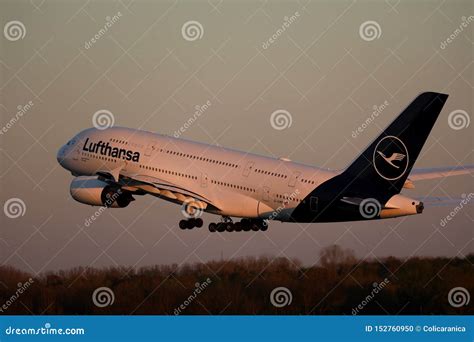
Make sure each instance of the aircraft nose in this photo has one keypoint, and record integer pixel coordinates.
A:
(60, 155)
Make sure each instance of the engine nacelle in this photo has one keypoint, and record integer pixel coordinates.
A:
(400, 205)
(93, 191)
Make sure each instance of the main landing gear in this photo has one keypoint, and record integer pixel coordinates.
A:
(244, 225)
(191, 223)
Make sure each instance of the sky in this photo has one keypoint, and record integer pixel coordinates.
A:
(326, 64)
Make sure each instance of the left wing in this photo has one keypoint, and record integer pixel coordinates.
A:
(141, 184)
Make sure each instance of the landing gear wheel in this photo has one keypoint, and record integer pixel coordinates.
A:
(191, 223)
(212, 227)
(255, 227)
(183, 224)
(238, 226)
(245, 225)
(264, 226)
(198, 222)
(220, 227)
(229, 226)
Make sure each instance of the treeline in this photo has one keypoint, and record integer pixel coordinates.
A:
(339, 284)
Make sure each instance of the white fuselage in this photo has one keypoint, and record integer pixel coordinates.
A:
(238, 184)
(115, 165)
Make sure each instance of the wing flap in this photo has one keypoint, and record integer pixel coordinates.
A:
(154, 186)
(164, 189)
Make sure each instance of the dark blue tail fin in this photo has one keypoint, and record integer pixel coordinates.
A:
(381, 170)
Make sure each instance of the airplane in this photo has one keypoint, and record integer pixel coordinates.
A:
(112, 166)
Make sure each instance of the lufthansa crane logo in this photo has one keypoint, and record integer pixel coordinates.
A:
(390, 158)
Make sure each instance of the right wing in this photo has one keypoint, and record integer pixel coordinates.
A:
(447, 201)
(437, 172)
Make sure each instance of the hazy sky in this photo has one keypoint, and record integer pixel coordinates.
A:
(324, 69)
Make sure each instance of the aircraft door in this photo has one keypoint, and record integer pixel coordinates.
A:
(313, 203)
(204, 180)
(77, 150)
(151, 148)
(248, 168)
(265, 194)
(294, 178)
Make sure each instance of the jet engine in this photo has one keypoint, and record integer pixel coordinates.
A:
(94, 191)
